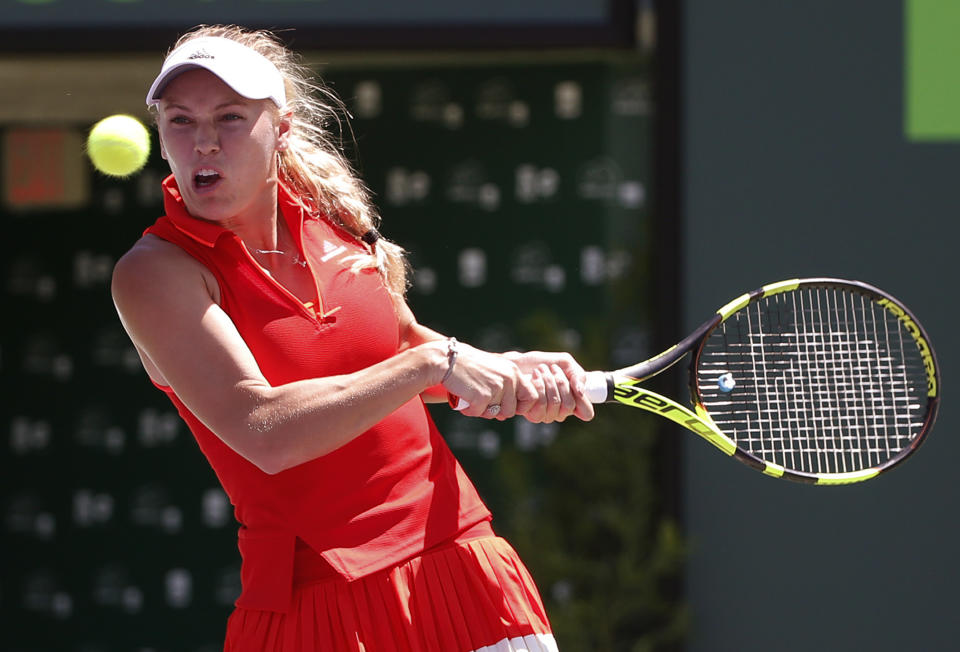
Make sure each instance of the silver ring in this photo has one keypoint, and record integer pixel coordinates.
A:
(493, 410)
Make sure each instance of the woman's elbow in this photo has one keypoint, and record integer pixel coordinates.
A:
(267, 462)
(265, 457)
(261, 448)
(254, 432)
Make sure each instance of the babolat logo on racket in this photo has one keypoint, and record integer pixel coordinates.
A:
(654, 403)
(630, 394)
(914, 330)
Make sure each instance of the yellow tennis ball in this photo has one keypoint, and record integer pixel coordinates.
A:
(119, 145)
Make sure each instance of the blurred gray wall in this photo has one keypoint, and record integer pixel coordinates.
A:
(796, 164)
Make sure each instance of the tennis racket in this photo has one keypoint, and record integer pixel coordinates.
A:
(818, 380)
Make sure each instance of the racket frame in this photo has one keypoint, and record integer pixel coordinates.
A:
(623, 385)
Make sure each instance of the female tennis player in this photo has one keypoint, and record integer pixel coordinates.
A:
(267, 307)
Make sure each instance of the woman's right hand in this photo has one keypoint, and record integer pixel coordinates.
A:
(485, 380)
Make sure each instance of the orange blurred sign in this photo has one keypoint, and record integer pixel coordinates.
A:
(43, 168)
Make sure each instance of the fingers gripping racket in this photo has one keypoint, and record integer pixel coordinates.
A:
(818, 380)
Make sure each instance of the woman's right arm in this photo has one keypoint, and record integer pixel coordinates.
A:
(166, 303)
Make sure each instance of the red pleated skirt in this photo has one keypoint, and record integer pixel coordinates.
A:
(467, 596)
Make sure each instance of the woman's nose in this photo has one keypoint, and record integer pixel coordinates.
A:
(207, 140)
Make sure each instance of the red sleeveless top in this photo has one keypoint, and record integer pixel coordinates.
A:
(389, 494)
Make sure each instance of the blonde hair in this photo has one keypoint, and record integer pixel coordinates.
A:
(313, 164)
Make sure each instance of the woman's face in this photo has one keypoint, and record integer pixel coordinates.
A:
(221, 147)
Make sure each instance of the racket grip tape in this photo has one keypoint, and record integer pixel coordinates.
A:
(597, 386)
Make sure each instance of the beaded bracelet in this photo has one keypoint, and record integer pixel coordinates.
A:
(451, 357)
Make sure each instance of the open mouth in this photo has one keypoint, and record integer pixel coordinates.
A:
(205, 178)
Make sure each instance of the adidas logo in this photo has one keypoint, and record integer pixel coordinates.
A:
(330, 250)
(201, 54)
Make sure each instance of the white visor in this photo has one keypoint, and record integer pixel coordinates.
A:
(244, 70)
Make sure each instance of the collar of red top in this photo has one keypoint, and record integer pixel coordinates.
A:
(207, 233)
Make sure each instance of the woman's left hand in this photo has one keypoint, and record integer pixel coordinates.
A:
(559, 381)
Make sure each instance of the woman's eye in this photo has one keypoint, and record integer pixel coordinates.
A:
(180, 120)
(232, 116)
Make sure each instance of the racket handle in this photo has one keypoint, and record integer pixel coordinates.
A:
(595, 388)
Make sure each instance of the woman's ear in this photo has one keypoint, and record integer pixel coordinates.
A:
(163, 150)
(283, 130)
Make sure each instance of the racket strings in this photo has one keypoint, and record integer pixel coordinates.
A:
(827, 381)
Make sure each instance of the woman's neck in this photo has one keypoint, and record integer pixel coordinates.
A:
(260, 225)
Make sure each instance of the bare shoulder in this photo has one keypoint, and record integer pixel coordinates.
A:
(151, 256)
(153, 267)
